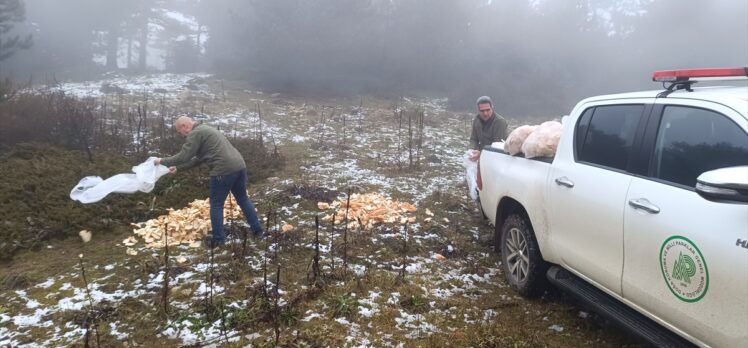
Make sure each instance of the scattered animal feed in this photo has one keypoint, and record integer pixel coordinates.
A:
(368, 210)
(183, 226)
(85, 235)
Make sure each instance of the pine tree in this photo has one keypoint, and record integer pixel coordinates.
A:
(11, 12)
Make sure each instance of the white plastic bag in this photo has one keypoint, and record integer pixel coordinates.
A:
(92, 189)
(471, 174)
(516, 138)
(543, 141)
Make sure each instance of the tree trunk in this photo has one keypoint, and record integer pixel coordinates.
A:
(199, 35)
(112, 47)
(143, 53)
(129, 52)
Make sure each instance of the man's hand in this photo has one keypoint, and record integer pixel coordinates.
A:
(157, 161)
(475, 155)
(172, 170)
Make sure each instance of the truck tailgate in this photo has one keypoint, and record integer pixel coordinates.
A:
(515, 177)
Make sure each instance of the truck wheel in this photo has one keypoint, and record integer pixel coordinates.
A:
(524, 267)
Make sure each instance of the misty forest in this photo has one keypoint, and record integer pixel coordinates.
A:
(353, 119)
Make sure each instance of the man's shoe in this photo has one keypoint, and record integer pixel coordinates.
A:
(209, 243)
(246, 231)
(258, 234)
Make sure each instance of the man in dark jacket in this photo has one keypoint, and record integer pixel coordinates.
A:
(228, 172)
(488, 127)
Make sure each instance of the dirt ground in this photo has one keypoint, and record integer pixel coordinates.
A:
(430, 283)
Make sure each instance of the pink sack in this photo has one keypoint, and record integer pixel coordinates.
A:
(543, 141)
(516, 138)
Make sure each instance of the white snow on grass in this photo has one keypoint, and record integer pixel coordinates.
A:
(157, 85)
(416, 324)
(33, 319)
(311, 316)
(79, 300)
(204, 289)
(189, 334)
(359, 270)
(6, 337)
(31, 304)
(369, 307)
(46, 284)
(468, 279)
(113, 330)
(394, 298)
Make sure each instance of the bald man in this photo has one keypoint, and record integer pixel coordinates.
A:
(228, 172)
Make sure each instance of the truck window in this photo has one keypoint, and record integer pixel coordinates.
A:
(691, 141)
(610, 135)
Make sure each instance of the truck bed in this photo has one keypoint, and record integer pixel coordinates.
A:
(541, 159)
(516, 178)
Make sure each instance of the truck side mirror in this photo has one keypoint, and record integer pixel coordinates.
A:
(728, 185)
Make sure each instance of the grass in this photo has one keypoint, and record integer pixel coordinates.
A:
(451, 312)
(344, 305)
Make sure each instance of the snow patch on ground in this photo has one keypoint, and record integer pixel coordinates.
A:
(416, 324)
(168, 85)
(46, 284)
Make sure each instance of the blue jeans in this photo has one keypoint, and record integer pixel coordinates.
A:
(220, 186)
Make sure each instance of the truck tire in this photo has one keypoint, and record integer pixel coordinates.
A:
(524, 267)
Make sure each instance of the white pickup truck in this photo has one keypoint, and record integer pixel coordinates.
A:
(642, 213)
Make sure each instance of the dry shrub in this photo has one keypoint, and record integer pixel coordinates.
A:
(82, 124)
(48, 117)
(261, 161)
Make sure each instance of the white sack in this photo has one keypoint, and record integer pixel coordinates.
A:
(471, 174)
(543, 141)
(498, 145)
(93, 189)
(516, 138)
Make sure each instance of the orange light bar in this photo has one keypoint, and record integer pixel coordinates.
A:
(685, 74)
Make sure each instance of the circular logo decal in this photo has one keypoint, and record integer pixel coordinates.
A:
(684, 269)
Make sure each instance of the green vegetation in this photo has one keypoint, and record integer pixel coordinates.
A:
(344, 305)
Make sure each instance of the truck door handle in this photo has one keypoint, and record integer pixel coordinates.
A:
(644, 204)
(564, 181)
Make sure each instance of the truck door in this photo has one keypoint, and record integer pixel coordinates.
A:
(588, 187)
(685, 261)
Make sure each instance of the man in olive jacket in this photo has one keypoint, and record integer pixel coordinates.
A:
(228, 172)
(488, 127)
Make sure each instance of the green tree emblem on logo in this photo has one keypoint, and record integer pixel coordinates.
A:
(684, 268)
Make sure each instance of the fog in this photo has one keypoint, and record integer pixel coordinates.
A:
(533, 57)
